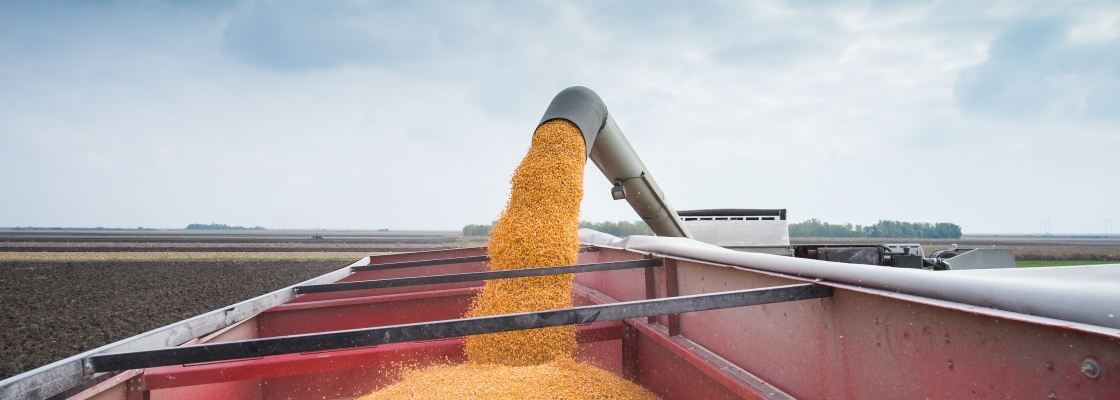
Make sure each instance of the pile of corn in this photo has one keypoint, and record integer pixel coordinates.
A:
(562, 378)
(538, 228)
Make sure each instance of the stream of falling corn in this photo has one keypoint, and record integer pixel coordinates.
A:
(538, 228)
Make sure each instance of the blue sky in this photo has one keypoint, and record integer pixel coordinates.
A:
(366, 114)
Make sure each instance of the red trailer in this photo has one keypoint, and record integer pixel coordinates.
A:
(849, 342)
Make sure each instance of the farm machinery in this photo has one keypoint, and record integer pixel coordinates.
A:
(717, 305)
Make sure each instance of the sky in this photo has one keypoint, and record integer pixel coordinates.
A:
(996, 116)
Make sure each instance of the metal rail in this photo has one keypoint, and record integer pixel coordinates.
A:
(421, 263)
(475, 276)
(451, 328)
(438, 261)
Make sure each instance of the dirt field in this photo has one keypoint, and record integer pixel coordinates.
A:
(55, 309)
(64, 292)
(224, 241)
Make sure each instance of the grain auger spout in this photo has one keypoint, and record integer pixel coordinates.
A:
(609, 150)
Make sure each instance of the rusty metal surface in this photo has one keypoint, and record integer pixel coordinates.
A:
(116, 386)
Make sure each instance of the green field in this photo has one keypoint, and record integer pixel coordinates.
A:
(1065, 263)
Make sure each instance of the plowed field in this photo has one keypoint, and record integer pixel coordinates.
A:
(55, 309)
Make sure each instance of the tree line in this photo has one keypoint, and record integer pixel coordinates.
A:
(882, 229)
(620, 228)
(223, 227)
(810, 228)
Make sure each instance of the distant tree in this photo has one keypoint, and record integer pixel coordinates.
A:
(898, 229)
(620, 229)
(882, 229)
(945, 230)
(816, 228)
(222, 227)
(477, 230)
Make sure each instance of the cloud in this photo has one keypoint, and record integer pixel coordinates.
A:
(1044, 67)
(355, 114)
(301, 181)
(306, 35)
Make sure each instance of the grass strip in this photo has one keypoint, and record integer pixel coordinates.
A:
(1061, 263)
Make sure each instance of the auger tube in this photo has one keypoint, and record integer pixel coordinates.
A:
(608, 148)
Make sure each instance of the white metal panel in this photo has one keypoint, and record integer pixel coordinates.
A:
(740, 233)
(982, 259)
